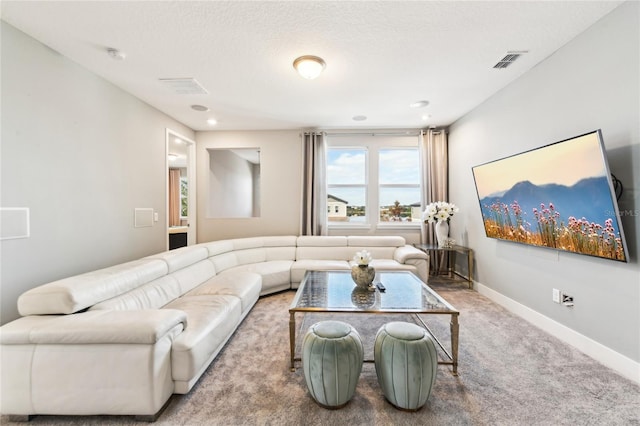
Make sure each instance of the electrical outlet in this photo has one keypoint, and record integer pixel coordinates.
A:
(556, 295)
(567, 300)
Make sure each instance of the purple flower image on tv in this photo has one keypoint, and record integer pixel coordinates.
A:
(558, 196)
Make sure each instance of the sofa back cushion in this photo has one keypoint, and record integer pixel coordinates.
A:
(242, 251)
(153, 295)
(375, 241)
(323, 248)
(344, 248)
(79, 292)
(182, 257)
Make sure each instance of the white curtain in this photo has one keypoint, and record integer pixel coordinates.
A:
(434, 160)
(174, 197)
(314, 188)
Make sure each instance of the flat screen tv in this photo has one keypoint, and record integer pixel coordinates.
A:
(559, 196)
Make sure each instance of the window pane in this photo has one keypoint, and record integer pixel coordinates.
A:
(346, 204)
(399, 166)
(346, 166)
(400, 204)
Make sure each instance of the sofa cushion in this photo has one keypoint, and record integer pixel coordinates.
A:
(76, 293)
(182, 257)
(276, 275)
(321, 241)
(218, 247)
(210, 321)
(244, 285)
(224, 261)
(95, 327)
(153, 295)
(299, 267)
(389, 265)
(375, 241)
(194, 275)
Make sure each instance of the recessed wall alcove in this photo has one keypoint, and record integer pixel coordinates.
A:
(234, 183)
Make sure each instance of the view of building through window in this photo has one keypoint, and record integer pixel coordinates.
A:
(388, 178)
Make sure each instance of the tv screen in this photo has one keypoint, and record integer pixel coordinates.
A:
(559, 196)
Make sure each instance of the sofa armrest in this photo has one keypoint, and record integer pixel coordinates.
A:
(404, 253)
(97, 327)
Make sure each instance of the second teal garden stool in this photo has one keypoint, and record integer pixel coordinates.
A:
(406, 364)
(332, 357)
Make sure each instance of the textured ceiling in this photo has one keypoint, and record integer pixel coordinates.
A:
(381, 56)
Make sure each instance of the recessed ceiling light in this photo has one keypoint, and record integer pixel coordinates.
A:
(116, 54)
(200, 108)
(425, 117)
(359, 117)
(309, 66)
(212, 122)
(419, 104)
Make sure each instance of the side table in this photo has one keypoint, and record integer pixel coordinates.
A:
(450, 252)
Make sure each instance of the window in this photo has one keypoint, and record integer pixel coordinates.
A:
(373, 181)
(399, 184)
(184, 197)
(347, 184)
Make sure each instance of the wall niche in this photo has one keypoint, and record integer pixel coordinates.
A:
(234, 183)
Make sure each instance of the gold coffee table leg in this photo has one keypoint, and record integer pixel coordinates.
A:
(454, 343)
(292, 337)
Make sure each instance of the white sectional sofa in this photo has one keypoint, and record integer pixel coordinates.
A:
(121, 340)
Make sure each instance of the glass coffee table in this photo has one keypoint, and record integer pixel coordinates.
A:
(405, 293)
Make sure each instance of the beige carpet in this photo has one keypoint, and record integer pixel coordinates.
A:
(511, 373)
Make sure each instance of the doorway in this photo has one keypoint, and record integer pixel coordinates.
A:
(180, 177)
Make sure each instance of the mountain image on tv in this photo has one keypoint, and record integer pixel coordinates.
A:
(588, 199)
(557, 196)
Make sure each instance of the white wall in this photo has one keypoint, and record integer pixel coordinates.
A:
(280, 184)
(81, 154)
(590, 83)
(231, 185)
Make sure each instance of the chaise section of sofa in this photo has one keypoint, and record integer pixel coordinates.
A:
(122, 339)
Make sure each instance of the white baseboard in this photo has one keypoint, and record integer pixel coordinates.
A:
(625, 366)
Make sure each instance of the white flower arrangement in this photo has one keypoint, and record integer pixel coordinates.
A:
(362, 258)
(439, 211)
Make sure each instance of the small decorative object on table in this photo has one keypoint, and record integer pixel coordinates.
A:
(361, 272)
(440, 212)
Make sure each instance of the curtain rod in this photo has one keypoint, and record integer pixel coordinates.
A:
(407, 133)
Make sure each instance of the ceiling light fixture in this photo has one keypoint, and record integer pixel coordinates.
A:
(359, 118)
(212, 122)
(309, 66)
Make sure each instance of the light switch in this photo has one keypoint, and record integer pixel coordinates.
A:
(155, 216)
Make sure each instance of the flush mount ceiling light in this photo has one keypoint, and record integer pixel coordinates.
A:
(419, 104)
(359, 118)
(212, 122)
(309, 66)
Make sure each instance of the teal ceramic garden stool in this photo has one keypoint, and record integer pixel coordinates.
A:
(332, 357)
(406, 364)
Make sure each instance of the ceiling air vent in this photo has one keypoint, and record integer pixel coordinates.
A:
(184, 86)
(509, 58)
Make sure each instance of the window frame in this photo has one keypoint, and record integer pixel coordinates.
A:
(372, 146)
